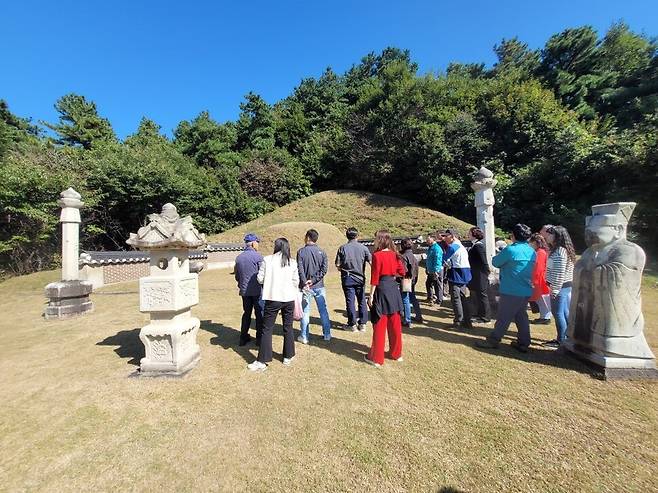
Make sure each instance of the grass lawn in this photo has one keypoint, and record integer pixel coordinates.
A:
(449, 418)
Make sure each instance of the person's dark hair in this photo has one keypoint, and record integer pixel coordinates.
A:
(407, 244)
(521, 232)
(282, 245)
(312, 235)
(477, 233)
(432, 235)
(352, 233)
(561, 238)
(539, 241)
(383, 240)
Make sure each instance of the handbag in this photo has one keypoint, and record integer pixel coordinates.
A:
(406, 285)
(298, 311)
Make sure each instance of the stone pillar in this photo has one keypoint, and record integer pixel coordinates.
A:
(70, 296)
(168, 293)
(484, 201)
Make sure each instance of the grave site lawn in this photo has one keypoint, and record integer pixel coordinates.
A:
(449, 416)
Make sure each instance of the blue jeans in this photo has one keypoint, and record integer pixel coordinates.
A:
(560, 309)
(408, 300)
(319, 295)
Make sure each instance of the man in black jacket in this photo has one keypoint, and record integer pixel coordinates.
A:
(312, 264)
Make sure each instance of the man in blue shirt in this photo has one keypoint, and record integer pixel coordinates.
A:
(516, 263)
(434, 269)
(246, 271)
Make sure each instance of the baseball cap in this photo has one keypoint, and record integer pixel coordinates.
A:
(249, 237)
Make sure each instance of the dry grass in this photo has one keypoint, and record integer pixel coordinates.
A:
(450, 416)
(368, 212)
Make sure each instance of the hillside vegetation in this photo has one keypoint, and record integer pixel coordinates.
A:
(562, 127)
(368, 212)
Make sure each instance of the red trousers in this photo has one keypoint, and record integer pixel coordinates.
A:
(392, 325)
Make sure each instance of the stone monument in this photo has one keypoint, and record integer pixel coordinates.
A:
(70, 296)
(483, 183)
(606, 326)
(168, 293)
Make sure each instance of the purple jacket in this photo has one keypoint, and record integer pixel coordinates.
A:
(246, 271)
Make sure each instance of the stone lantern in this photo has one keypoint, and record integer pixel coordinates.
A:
(168, 293)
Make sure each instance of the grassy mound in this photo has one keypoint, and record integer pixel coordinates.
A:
(368, 212)
(330, 236)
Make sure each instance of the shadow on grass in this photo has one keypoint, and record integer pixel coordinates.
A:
(338, 345)
(229, 338)
(129, 345)
(548, 357)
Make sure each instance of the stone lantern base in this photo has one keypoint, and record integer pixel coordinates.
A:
(171, 348)
(67, 299)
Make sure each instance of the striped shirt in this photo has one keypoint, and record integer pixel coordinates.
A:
(559, 269)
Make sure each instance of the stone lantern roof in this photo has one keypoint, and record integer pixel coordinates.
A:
(167, 230)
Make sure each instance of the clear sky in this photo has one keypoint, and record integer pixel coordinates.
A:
(169, 60)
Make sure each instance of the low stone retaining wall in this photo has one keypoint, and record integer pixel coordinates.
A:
(103, 268)
(111, 267)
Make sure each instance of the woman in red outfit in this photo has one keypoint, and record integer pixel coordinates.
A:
(540, 293)
(385, 301)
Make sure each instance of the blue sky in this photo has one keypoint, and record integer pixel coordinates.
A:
(169, 60)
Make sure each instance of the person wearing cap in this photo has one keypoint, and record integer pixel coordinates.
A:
(516, 264)
(459, 275)
(246, 273)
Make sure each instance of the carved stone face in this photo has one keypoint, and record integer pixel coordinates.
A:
(599, 233)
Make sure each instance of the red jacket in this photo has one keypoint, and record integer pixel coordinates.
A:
(539, 275)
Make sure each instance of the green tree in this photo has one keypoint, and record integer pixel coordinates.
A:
(79, 123)
(209, 143)
(255, 127)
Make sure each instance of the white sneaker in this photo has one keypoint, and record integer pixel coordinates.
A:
(371, 362)
(399, 360)
(287, 361)
(257, 366)
(362, 327)
(303, 340)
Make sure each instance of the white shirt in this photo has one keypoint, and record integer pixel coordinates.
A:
(280, 283)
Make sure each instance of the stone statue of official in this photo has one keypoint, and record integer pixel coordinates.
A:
(606, 325)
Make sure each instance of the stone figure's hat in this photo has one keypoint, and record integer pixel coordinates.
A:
(611, 214)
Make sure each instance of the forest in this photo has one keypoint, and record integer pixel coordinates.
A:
(563, 127)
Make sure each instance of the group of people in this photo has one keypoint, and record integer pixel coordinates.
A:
(536, 268)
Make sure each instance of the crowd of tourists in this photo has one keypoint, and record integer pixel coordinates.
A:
(533, 268)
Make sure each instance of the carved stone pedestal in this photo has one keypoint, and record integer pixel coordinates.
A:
(171, 348)
(68, 299)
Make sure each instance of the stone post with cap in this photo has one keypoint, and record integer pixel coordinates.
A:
(482, 185)
(70, 296)
(168, 293)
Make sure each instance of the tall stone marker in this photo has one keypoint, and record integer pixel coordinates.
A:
(70, 296)
(168, 293)
(484, 201)
(606, 325)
